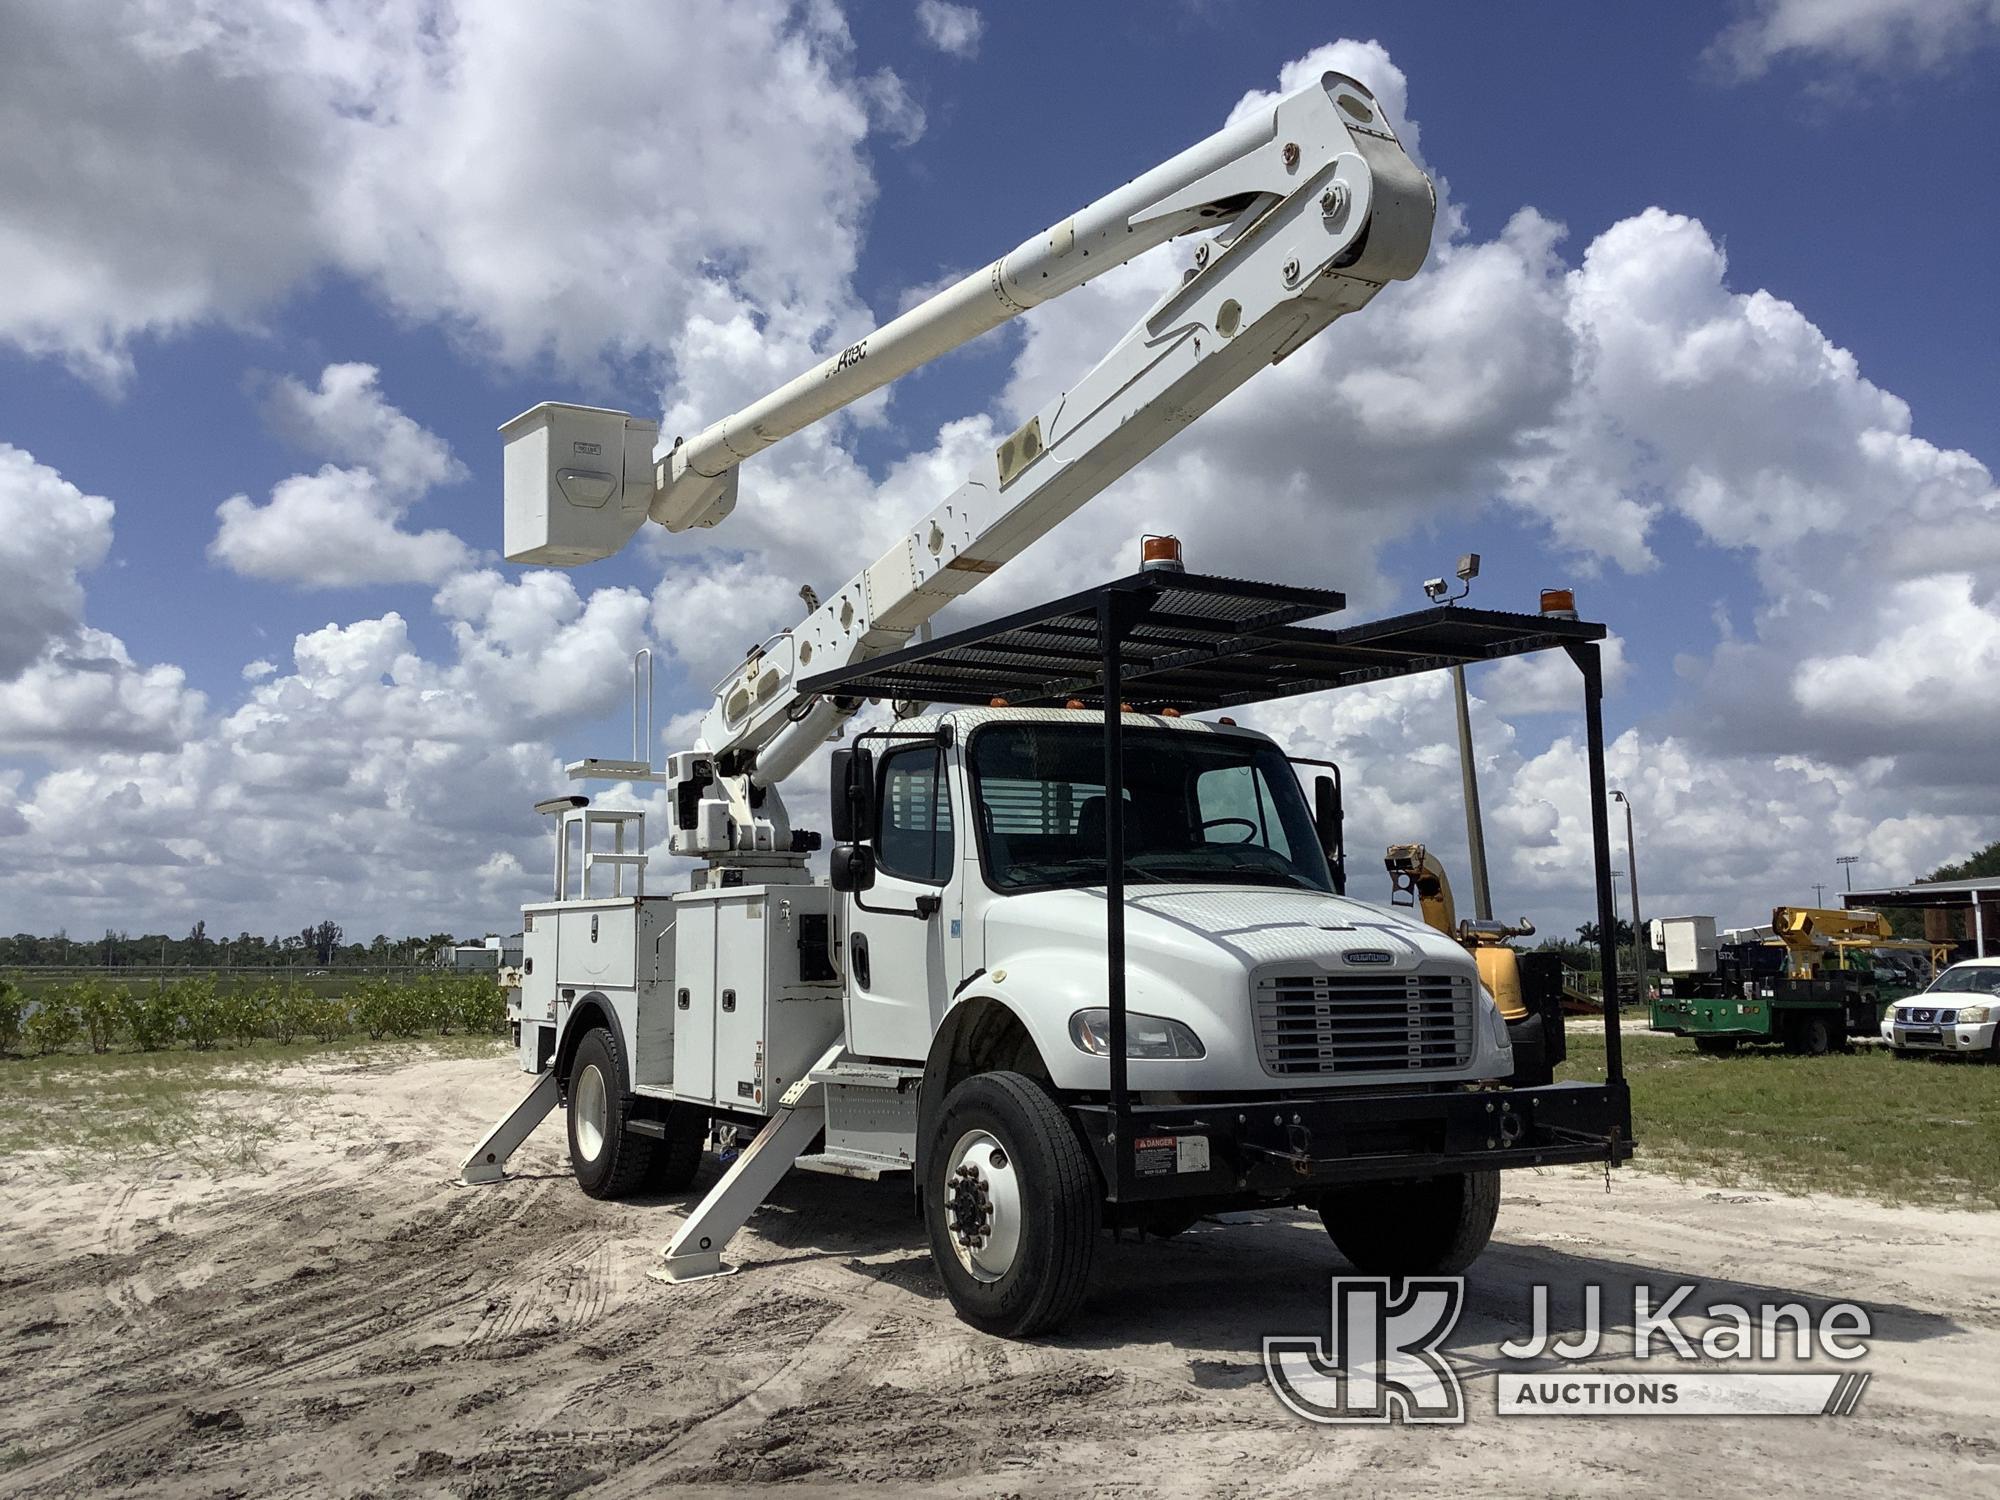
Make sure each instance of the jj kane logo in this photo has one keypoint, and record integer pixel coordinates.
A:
(1379, 1361)
(1382, 1359)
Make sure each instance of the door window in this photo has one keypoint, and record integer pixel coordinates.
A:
(914, 842)
(1233, 807)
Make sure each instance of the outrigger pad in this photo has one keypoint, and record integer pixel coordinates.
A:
(488, 1161)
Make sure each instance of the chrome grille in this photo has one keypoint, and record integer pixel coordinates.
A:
(1324, 1024)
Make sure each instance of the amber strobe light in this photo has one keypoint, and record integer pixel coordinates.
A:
(1559, 604)
(1160, 552)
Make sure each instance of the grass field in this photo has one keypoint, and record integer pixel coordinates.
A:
(211, 1110)
(1862, 1123)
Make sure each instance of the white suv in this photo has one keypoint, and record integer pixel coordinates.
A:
(1960, 1012)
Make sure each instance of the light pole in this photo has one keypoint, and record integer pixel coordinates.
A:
(1849, 861)
(1632, 866)
(1475, 827)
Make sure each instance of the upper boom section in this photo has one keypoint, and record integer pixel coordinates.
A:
(1204, 184)
(580, 481)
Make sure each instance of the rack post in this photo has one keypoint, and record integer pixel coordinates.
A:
(1588, 660)
(1110, 629)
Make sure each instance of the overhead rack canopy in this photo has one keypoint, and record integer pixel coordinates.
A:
(1929, 893)
(1191, 642)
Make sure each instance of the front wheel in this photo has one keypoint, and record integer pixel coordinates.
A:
(1011, 1204)
(1436, 1227)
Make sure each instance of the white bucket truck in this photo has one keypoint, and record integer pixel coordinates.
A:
(1083, 960)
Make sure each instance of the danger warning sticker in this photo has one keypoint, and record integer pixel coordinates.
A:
(1164, 1155)
(1153, 1155)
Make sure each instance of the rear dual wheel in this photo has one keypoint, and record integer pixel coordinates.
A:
(1811, 1035)
(609, 1160)
(1435, 1227)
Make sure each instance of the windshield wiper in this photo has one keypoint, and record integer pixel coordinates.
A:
(1235, 875)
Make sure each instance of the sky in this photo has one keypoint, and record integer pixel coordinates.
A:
(1707, 332)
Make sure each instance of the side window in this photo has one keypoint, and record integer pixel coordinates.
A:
(914, 841)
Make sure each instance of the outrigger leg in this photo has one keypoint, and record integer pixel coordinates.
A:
(697, 1250)
(488, 1161)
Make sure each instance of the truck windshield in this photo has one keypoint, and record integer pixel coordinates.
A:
(1199, 809)
(1967, 980)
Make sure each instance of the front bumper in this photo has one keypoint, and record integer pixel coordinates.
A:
(1912, 1037)
(1274, 1147)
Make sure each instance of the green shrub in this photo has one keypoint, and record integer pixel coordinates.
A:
(480, 1005)
(101, 1010)
(13, 1011)
(286, 1010)
(245, 1012)
(54, 1024)
(203, 1015)
(324, 1017)
(375, 1004)
(152, 1015)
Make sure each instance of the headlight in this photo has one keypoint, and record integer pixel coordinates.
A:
(1975, 1015)
(1145, 1036)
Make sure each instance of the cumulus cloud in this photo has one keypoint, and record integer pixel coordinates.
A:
(362, 778)
(1735, 413)
(1902, 35)
(954, 29)
(343, 527)
(66, 688)
(213, 157)
(347, 419)
(89, 693)
(336, 528)
(50, 533)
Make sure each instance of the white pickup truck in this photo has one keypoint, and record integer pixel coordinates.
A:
(1960, 1013)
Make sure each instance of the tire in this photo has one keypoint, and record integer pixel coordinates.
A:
(1715, 1046)
(1436, 1227)
(677, 1157)
(1003, 1163)
(608, 1162)
(1810, 1035)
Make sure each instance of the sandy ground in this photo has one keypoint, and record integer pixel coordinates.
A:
(347, 1321)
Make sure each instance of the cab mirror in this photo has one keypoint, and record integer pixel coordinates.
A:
(853, 811)
(850, 868)
(1329, 821)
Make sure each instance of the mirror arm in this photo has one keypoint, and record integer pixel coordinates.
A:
(926, 908)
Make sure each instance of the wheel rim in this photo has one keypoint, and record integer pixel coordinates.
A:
(982, 1206)
(590, 1107)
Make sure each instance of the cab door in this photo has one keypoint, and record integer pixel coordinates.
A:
(902, 946)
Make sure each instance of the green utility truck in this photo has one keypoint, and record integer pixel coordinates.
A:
(1725, 995)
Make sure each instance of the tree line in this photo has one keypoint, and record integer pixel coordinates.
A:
(322, 945)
